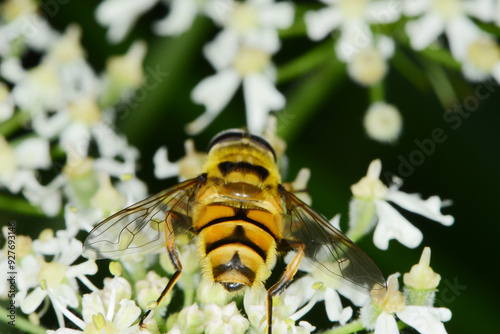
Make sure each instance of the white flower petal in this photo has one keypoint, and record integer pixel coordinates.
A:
(424, 30)
(127, 314)
(357, 297)
(31, 302)
(214, 93)
(496, 72)
(392, 225)
(120, 15)
(386, 46)
(345, 315)
(261, 97)
(382, 12)
(85, 268)
(461, 32)
(163, 167)
(429, 208)
(33, 153)
(484, 10)
(92, 304)
(222, 50)
(277, 15)
(415, 8)
(65, 294)
(426, 320)
(386, 324)
(263, 39)
(321, 22)
(48, 127)
(179, 19)
(333, 305)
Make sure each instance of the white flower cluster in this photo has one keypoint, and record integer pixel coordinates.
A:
(64, 107)
(58, 114)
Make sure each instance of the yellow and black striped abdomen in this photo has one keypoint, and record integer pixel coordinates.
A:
(235, 248)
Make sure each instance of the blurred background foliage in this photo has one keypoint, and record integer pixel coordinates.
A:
(322, 125)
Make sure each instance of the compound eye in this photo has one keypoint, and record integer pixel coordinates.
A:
(233, 286)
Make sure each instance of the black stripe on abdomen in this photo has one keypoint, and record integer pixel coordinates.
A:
(238, 236)
(227, 167)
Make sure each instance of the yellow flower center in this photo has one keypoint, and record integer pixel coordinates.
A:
(85, 110)
(243, 18)
(251, 60)
(15, 8)
(484, 53)
(52, 273)
(353, 8)
(447, 9)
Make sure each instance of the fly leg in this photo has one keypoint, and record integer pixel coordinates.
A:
(174, 257)
(286, 278)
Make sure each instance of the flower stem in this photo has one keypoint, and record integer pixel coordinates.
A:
(21, 324)
(305, 63)
(14, 123)
(14, 204)
(351, 327)
(377, 92)
(304, 101)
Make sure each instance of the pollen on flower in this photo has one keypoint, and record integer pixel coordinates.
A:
(243, 18)
(352, 9)
(251, 60)
(448, 9)
(383, 122)
(484, 53)
(367, 67)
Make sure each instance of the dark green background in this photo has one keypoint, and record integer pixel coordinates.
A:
(327, 136)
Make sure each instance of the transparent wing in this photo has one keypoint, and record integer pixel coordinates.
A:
(327, 248)
(140, 227)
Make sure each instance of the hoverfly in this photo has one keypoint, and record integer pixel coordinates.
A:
(243, 216)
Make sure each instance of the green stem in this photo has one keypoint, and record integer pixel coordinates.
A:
(20, 205)
(351, 327)
(22, 324)
(407, 67)
(305, 63)
(440, 82)
(305, 100)
(14, 123)
(377, 92)
(443, 57)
